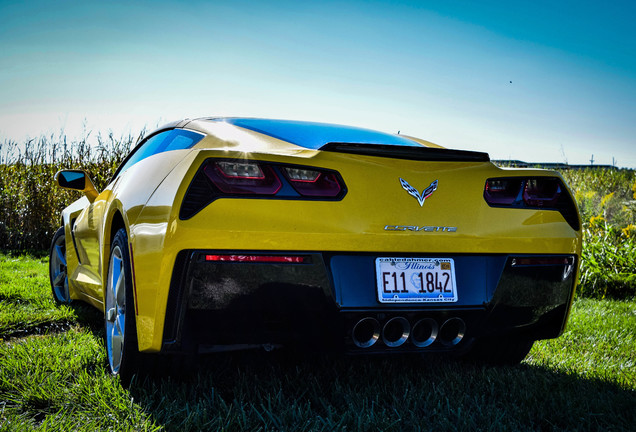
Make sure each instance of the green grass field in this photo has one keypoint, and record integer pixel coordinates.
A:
(53, 377)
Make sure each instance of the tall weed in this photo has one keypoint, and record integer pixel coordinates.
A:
(30, 202)
(610, 193)
(607, 203)
(608, 261)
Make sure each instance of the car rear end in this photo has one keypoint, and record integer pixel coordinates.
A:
(366, 249)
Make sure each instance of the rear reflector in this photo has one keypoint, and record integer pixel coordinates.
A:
(293, 259)
(541, 261)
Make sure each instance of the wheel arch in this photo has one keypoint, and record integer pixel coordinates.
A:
(117, 222)
(114, 223)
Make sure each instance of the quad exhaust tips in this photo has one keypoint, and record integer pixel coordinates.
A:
(397, 330)
(424, 332)
(366, 332)
(452, 331)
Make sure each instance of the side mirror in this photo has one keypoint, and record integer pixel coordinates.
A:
(77, 180)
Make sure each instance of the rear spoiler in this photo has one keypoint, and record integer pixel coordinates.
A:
(406, 152)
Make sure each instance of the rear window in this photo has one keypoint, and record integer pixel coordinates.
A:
(177, 139)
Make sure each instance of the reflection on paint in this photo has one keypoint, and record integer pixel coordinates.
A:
(149, 236)
(233, 138)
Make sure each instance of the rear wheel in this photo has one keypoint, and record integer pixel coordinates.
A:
(119, 318)
(499, 351)
(57, 268)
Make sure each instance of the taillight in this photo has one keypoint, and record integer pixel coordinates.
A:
(232, 178)
(243, 178)
(542, 192)
(313, 183)
(502, 191)
(532, 193)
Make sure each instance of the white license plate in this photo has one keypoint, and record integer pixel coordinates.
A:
(415, 280)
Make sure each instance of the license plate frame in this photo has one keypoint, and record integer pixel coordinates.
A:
(410, 280)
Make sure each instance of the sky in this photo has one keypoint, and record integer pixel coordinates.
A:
(539, 81)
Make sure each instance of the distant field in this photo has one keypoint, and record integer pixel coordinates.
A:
(53, 377)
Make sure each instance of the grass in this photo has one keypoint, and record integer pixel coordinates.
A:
(25, 303)
(584, 380)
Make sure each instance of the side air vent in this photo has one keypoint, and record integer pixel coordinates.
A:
(410, 153)
(199, 194)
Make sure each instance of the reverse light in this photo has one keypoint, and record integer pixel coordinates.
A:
(243, 178)
(245, 170)
(302, 175)
(291, 259)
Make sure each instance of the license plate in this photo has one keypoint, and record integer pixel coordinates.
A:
(415, 280)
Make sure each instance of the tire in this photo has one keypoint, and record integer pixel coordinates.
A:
(57, 268)
(119, 311)
(499, 351)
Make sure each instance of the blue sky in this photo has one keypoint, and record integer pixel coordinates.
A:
(441, 71)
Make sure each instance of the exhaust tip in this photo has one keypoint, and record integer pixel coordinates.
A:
(452, 331)
(424, 332)
(395, 332)
(366, 332)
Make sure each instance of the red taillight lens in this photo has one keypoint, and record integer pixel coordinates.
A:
(547, 193)
(502, 191)
(542, 192)
(313, 183)
(243, 178)
(293, 259)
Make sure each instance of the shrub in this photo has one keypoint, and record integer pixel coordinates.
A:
(608, 262)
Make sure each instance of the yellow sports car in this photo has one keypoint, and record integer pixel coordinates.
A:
(220, 234)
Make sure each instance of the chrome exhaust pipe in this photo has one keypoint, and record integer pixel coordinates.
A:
(366, 332)
(395, 332)
(452, 331)
(424, 332)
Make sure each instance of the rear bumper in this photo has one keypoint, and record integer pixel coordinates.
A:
(330, 302)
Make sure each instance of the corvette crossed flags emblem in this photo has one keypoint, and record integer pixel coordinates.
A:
(413, 192)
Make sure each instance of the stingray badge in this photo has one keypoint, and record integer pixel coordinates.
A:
(413, 192)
